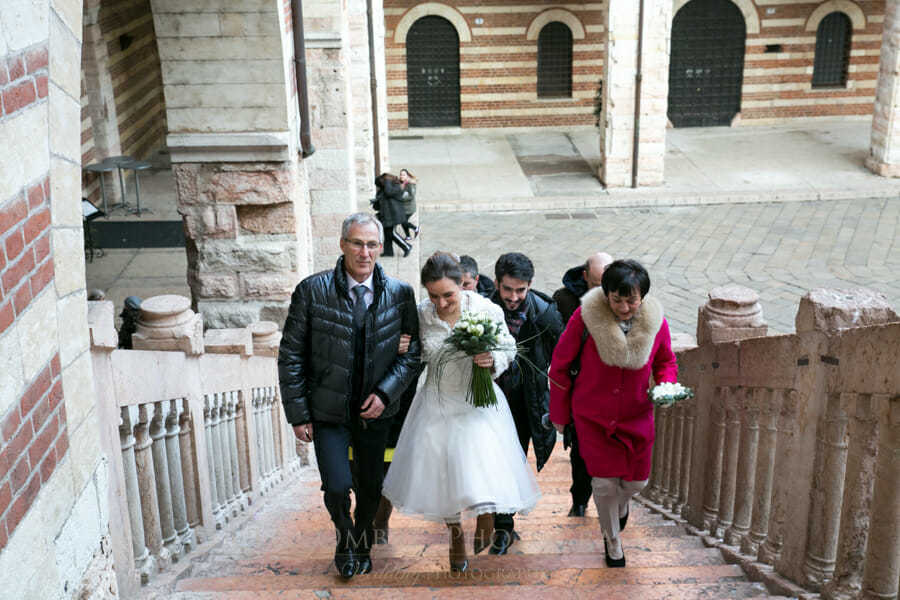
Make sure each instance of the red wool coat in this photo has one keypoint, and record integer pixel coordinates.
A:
(608, 402)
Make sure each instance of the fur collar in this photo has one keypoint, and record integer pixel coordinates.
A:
(616, 349)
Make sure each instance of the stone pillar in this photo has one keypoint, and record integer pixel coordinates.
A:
(884, 154)
(731, 313)
(266, 338)
(619, 89)
(231, 109)
(101, 97)
(168, 323)
(332, 178)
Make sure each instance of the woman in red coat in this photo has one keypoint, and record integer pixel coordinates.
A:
(626, 342)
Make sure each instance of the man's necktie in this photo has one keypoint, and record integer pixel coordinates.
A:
(359, 308)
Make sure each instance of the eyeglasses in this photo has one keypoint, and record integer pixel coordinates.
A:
(358, 245)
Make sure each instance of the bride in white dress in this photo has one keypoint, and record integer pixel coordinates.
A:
(454, 460)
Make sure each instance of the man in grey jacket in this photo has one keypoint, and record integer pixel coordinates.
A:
(342, 378)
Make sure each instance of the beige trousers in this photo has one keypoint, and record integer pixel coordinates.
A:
(611, 496)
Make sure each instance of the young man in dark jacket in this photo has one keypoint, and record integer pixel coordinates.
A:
(342, 378)
(576, 282)
(535, 323)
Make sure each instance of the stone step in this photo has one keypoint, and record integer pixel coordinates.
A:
(638, 577)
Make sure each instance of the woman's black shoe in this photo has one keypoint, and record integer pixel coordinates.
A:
(613, 563)
(459, 567)
(577, 510)
(502, 541)
(624, 520)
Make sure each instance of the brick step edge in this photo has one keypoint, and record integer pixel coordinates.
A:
(776, 583)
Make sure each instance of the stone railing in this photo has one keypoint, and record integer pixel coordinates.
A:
(787, 456)
(193, 428)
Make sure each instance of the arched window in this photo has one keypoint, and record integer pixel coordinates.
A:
(554, 78)
(832, 51)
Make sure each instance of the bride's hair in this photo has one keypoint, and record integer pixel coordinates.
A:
(440, 265)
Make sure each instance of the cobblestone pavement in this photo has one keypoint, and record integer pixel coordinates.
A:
(781, 250)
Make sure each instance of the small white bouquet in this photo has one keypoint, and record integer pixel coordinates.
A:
(667, 393)
(473, 334)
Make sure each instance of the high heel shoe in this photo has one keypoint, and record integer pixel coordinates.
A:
(484, 529)
(612, 563)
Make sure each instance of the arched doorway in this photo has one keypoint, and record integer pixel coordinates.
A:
(432, 73)
(706, 68)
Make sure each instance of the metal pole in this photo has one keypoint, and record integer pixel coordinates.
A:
(306, 146)
(637, 97)
(373, 86)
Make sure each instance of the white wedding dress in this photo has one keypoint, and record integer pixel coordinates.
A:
(454, 460)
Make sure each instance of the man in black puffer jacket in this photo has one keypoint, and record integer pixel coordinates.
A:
(342, 378)
(536, 325)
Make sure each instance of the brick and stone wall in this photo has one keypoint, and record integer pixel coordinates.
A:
(52, 475)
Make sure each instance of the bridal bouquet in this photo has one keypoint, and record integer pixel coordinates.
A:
(667, 394)
(473, 334)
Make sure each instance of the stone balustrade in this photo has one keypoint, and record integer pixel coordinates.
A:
(786, 458)
(193, 427)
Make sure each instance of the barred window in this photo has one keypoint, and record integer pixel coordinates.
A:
(554, 61)
(832, 51)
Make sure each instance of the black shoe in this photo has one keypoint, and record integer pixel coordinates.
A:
(613, 563)
(502, 541)
(364, 565)
(347, 565)
(577, 510)
(624, 520)
(459, 567)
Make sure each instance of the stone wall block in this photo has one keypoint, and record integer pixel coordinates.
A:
(269, 186)
(186, 183)
(831, 310)
(266, 338)
(228, 341)
(267, 218)
(264, 286)
(214, 285)
(101, 323)
(168, 323)
(245, 255)
(731, 313)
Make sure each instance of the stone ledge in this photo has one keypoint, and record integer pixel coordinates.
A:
(263, 146)
(323, 39)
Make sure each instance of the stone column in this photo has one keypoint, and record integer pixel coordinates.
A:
(770, 550)
(332, 175)
(163, 483)
(101, 97)
(884, 153)
(143, 561)
(619, 89)
(241, 187)
(716, 458)
(732, 313)
(168, 323)
(746, 474)
(765, 474)
(733, 400)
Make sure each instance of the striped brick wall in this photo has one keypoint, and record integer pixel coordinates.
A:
(498, 67)
(779, 85)
(136, 75)
(32, 419)
(90, 182)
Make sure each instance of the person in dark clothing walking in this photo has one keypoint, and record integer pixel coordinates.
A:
(342, 378)
(473, 280)
(389, 208)
(535, 323)
(576, 282)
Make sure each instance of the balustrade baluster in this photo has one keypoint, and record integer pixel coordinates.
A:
(687, 450)
(143, 459)
(770, 550)
(765, 472)
(730, 462)
(233, 451)
(225, 449)
(882, 573)
(277, 430)
(675, 479)
(716, 453)
(668, 449)
(173, 453)
(240, 420)
(267, 427)
(857, 503)
(652, 490)
(746, 472)
(827, 495)
(189, 474)
(211, 459)
(218, 462)
(260, 444)
(143, 562)
(163, 482)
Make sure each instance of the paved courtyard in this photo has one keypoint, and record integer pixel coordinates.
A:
(781, 250)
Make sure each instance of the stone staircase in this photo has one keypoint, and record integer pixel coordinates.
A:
(284, 550)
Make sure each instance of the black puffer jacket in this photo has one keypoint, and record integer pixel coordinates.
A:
(539, 334)
(315, 361)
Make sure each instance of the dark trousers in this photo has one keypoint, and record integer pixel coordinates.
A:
(516, 399)
(332, 441)
(581, 489)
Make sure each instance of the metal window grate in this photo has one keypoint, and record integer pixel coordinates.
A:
(432, 73)
(706, 69)
(554, 61)
(832, 51)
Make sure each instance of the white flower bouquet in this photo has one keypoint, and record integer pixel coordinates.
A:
(667, 393)
(473, 334)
